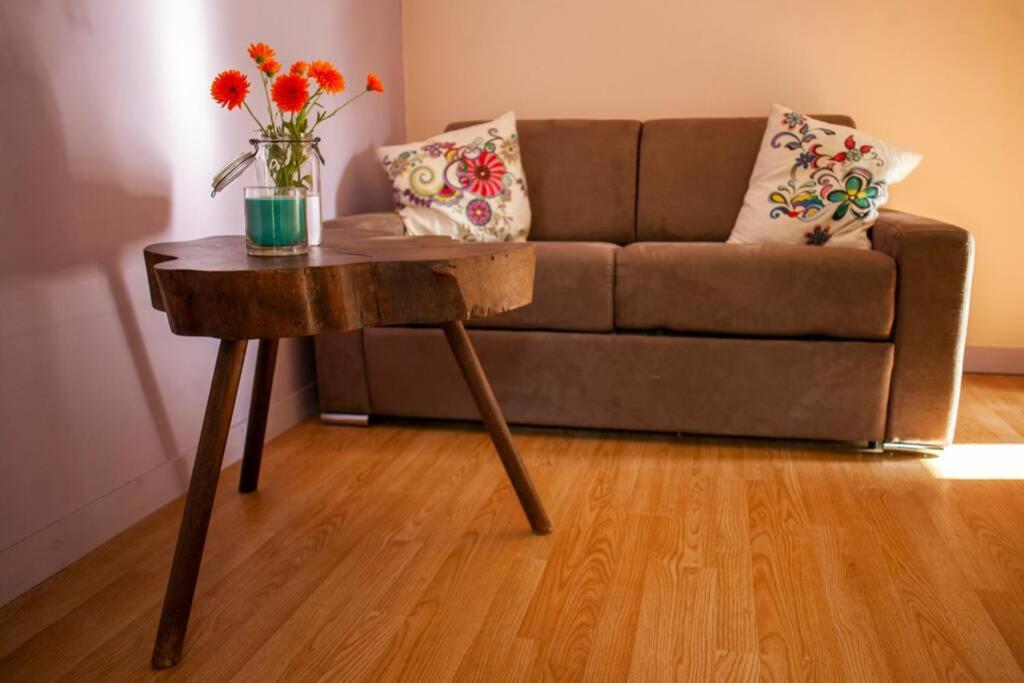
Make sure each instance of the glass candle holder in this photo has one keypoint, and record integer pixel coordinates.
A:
(275, 221)
(314, 224)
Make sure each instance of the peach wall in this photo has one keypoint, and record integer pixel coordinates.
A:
(109, 140)
(943, 78)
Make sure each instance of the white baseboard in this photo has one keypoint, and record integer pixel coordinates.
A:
(994, 360)
(37, 557)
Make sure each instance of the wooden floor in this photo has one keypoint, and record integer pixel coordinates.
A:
(398, 552)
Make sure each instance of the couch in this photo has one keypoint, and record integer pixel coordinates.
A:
(644, 319)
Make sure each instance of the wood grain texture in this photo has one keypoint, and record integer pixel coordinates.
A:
(259, 408)
(188, 553)
(357, 278)
(496, 426)
(398, 553)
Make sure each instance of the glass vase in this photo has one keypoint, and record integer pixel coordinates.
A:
(293, 163)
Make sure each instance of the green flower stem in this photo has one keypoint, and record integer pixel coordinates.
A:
(285, 161)
(321, 120)
(263, 132)
(311, 102)
(270, 109)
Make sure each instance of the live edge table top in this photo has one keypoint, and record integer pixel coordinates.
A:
(357, 278)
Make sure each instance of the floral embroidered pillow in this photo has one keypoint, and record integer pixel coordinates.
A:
(817, 183)
(467, 184)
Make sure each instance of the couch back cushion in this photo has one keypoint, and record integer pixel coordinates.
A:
(694, 174)
(581, 176)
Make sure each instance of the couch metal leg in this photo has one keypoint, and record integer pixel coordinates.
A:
(902, 447)
(346, 419)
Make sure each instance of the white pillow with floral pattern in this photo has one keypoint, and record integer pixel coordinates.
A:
(817, 183)
(467, 183)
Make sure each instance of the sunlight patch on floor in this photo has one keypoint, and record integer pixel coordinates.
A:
(979, 461)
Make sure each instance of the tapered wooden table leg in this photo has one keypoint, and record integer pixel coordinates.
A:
(188, 553)
(496, 426)
(259, 407)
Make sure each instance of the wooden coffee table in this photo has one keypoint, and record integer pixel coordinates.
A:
(357, 278)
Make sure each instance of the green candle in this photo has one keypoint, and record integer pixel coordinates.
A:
(275, 221)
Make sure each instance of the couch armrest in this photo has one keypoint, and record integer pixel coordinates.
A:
(934, 261)
(389, 222)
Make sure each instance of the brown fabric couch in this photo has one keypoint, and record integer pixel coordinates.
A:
(644, 319)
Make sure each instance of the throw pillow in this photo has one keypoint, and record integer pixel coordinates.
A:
(817, 183)
(467, 184)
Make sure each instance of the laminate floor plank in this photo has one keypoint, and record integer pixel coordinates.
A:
(730, 557)
(493, 651)
(452, 607)
(151, 542)
(797, 637)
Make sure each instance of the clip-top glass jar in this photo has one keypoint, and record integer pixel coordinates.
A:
(293, 163)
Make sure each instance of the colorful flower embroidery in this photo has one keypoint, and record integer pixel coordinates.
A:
(852, 153)
(792, 119)
(814, 184)
(818, 236)
(817, 183)
(437, 149)
(796, 203)
(805, 159)
(474, 179)
(481, 174)
(509, 151)
(858, 196)
(809, 156)
(478, 212)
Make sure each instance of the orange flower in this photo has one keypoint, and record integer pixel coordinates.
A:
(270, 67)
(261, 52)
(229, 88)
(373, 83)
(327, 77)
(299, 68)
(290, 92)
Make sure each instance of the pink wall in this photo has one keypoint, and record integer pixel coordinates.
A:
(109, 141)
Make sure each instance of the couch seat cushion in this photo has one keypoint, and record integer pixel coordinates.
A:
(757, 290)
(572, 290)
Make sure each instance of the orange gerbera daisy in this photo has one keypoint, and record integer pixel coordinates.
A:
(299, 68)
(290, 92)
(261, 52)
(373, 83)
(326, 76)
(229, 88)
(270, 67)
